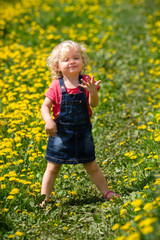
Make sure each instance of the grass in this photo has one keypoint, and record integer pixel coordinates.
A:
(123, 46)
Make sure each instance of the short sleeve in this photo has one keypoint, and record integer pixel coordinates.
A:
(53, 91)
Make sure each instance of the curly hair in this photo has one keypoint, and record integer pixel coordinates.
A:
(58, 51)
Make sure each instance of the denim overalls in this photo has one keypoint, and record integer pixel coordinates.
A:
(73, 142)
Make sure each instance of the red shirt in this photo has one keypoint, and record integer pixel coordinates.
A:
(54, 93)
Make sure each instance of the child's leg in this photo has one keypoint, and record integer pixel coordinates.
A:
(97, 176)
(49, 178)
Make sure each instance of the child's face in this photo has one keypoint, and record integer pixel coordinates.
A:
(70, 62)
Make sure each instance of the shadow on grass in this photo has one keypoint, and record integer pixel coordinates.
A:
(82, 200)
(140, 185)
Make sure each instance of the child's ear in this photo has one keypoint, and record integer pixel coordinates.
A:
(56, 66)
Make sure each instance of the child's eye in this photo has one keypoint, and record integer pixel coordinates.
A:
(76, 58)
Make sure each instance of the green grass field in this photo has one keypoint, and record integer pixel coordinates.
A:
(122, 40)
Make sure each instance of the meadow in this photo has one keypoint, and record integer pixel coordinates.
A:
(122, 41)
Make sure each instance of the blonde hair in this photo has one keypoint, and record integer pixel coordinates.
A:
(52, 60)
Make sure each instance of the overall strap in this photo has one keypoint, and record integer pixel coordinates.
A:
(80, 88)
(62, 86)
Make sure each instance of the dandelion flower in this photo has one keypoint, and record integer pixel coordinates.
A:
(147, 230)
(148, 221)
(3, 186)
(137, 203)
(157, 139)
(57, 204)
(134, 236)
(65, 176)
(10, 197)
(65, 228)
(5, 209)
(120, 238)
(126, 226)
(14, 191)
(123, 212)
(116, 226)
(11, 236)
(137, 209)
(19, 234)
(138, 217)
(148, 207)
(142, 127)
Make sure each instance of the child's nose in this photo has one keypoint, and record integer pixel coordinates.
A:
(72, 60)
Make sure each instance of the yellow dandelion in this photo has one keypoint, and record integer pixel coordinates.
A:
(49, 208)
(142, 127)
(11, 236)
(19, 234)
(123, 212)
(148, 221)
(147, 230)
(148, 207)
(137, 209)
(134, 236)
(65, 228)
(156, 157)
(137, 203)
(20, 161)
(57, 204)
(126, 226)
(66, 176)
(116, 226)
(5, 209)
(120, 238)
(137, 218)
(18, 210)
(10, 197)
(157, 139)
(148, 168)
(122, 143)
(3, 186)
(14, 191)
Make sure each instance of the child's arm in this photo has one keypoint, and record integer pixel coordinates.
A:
(93, 99)
(91, 87)
(50, 125)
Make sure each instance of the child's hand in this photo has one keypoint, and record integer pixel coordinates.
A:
(50, 127)
(90, 85)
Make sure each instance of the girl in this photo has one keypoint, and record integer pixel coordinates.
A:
(70, 95)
